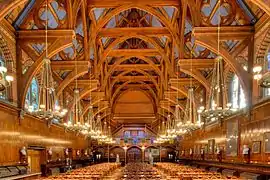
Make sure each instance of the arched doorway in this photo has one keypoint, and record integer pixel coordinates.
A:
(134, 154)
(117, 150)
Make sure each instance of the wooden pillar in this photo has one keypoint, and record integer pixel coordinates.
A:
(19, 74)
(253, 90)
(182, 21)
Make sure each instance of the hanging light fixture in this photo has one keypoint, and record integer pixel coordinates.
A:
(76, 124)
(178, 121)
(47, 102)
(98, 129)
(170, 130)
(191, 120)
(177, 115)
(217, 108)
(161, 135)
(257, 69)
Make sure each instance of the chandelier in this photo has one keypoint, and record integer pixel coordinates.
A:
(257, 69)
(265, 80)
(5, 79)
(107, 134)
(48, 109)
(161, 135)
(191, 120)
(75, 124)
(47, 104)
(166, 131)
(170, 128)
(217, 108)
(178, 121)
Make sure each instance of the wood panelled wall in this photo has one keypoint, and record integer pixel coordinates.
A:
(251, 128)
(31, 131)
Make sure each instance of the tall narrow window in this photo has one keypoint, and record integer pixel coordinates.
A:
(3, 94)
(31, 102)
(237, 96)
(266, 91)
(268, 59)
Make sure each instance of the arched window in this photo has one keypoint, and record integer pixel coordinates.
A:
(237, 94)
(268, 59)
(31, 101)
(267, 90)
(3, 94)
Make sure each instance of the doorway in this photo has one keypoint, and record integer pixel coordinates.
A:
(34, 160)
(134, 154)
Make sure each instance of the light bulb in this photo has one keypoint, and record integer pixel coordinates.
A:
(42, 106)
(3, 69)
(9, 78)
(257, 68)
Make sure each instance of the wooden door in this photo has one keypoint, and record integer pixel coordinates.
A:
(134, 154)
(34, 160)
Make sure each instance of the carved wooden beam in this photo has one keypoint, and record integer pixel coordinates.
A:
(7, 6)
(84, 82)
(226, 32)
(197, 75)
(146, 31)
(133, 78)
(130, 52)
(183, 81)
(139, 66)
(71, 76)
(38, 34)
(68, 65)
(264, 5)
(137, 86)
(113, 3)
(196, 63)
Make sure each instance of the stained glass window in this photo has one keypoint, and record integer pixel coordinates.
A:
(31, 102)
(266, 91)
(237, 95)
(3, 94)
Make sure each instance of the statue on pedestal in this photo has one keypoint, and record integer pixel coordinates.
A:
(117, 158)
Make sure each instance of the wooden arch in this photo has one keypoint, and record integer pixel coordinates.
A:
(167, 23)
(139, 71)
(142, 37)
(116, 93)
(57, 46)
(243, 75)
(119, 61)
(70, 77)
(9, 5)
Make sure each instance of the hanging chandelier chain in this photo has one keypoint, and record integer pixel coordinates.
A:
(219, 23)
(46, 29)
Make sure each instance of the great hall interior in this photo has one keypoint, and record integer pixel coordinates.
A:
(135, 89)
